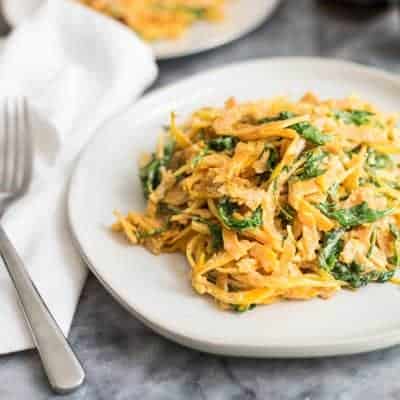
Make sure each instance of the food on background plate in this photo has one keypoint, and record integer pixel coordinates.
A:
(159, 19)
(275, 199)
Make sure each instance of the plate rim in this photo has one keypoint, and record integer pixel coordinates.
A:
(293, 350)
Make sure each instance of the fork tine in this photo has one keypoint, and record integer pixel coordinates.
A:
(28, 151)
(6, 150)
(17, 147)
(16, 140)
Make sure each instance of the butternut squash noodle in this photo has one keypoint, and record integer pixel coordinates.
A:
(275, 199)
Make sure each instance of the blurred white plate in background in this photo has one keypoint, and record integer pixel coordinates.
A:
(242, 16)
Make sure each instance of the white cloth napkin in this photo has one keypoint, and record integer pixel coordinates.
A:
(77, 68)
(16, 10)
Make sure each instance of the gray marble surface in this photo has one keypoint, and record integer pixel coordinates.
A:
(126, 361)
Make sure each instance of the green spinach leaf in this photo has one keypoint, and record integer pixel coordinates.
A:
(356, 117)
(226, 208)
(222, 143)
(215, 232)
(273, 158)
(353, 216)
(165, 209)
(355, 276)
(310, 133)
(372, 242)
(352, 273)
(150, 174)
(150, 233)
(196, 159)
(242, 308)
(280, 117)
(331, 249)
(395, 259)
(311, 167)
(169, 149)
(333, 191)
(287, 214)
(377, 160)
(197, 12)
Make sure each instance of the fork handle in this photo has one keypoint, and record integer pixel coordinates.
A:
(63, 369)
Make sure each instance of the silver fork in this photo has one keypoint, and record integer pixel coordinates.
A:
(62, 368)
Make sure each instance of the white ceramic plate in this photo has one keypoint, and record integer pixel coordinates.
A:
(157, 289)
(242, 16)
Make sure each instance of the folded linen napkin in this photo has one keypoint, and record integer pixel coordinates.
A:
(77, 69)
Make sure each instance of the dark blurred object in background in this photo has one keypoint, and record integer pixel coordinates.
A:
(367, 3)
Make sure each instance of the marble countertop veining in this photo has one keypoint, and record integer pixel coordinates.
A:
(127, 361)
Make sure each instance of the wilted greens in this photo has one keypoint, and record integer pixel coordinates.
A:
(356, 277)
(395, 259)
(242, 308)
(273, 159)
(150, 174)
(310, 133)
(280, 117)
(356, 117)
(312, 165)
(287, 214)
(353, 273)
(377, 160)
(215, 232)
(226, 208)
(353, 216)
(331, 248)
(222, 143)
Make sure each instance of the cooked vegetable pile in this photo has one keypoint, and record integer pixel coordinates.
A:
(275, 199)
(159, 19)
